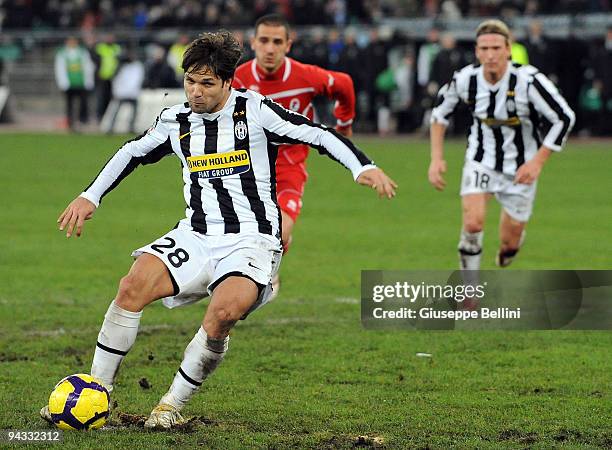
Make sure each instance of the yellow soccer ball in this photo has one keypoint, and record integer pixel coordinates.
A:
(79, 402)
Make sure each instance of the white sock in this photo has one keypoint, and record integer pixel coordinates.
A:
(202, 356)
(470, 254)
(470, 250)
(115, 339)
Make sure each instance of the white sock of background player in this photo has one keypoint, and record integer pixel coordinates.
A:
(470, 254)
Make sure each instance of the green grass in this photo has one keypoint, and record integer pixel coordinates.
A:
(302, 372)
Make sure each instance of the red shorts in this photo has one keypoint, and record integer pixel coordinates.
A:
(290, 181)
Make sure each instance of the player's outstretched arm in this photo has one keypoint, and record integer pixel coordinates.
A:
(377, 179)
(76, 213)
(286, 127)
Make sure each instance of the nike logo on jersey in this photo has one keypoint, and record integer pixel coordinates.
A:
(251, 265)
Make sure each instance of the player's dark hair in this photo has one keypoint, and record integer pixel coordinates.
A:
(218, 52)
(275, 20)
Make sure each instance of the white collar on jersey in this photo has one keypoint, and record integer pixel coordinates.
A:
(285, 74)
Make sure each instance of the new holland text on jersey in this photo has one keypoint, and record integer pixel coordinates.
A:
(219, 164)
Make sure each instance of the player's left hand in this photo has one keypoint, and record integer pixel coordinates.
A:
(377, 179)
(528, 173)
(345, 131)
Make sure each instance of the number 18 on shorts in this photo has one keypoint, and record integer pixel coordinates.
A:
(516, 199)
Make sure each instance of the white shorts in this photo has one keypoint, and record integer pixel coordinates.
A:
(516, 199)
(198, 263)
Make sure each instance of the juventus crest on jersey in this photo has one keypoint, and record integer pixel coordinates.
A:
(505, 131)
(228, 160)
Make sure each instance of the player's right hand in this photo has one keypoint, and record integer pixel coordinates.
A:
(437, 169)
(75, 214)
(378, 180)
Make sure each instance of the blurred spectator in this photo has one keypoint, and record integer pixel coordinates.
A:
(10, 51)
(313, 50)
(449, 10)
(402, 100)
(106, 14)
(127, 85)
(362, 54)
(543, 52)
(375, 62)
(335, 45)
(448, 59)
(309, 12)
(427, 53)
(215, 13)
(336, 10)
(19, 14)
(510, 9)
(350, 60)
(602, 68)
(235, 14)
(518, 52)
(212, 14)
(159, 74)
(108, 53)
(426, 92)
(141, 16)
(175, 56)
(592, 108)
(247, 52)
(571, 71)
(74, 76)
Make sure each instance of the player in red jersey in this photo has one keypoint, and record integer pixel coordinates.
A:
(293, 85)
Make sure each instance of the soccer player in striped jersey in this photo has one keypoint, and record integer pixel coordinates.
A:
(228, 245)
(505, 150)
(293, 85)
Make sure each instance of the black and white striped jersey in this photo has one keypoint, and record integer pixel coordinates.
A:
(228, 160)
(505, 131)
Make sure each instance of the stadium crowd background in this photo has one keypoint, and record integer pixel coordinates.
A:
(397, 52)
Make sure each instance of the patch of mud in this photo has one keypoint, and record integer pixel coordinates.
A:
(124, 420)
(520, 436)
(144, 383)
(344, 441)
(12, 357)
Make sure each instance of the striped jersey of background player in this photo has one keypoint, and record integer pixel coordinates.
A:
(293, 85)
(228, 244)
(505, 151)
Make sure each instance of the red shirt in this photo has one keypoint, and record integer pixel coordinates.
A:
(294, 85)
